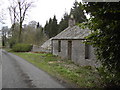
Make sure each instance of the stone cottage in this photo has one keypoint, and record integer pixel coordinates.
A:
(69, 44)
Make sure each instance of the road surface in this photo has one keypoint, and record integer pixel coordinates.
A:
(0, 69)
(18, 73)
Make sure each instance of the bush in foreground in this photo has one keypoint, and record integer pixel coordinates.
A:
(22, 48)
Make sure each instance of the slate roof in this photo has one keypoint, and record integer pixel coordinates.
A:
(47, 44)
(74, 32)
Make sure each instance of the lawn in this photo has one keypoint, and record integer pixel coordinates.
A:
(64, 70)
(0, 44)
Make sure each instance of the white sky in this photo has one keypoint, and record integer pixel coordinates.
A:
(43, 10)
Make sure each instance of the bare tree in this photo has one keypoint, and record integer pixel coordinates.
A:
(18, 10)
(2, 14)
(4, 35)
(2, 18)
(12, 12)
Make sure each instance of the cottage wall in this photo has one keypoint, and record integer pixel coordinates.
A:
(64, 47)
(36, 48)
(55, 47)
(77, 52)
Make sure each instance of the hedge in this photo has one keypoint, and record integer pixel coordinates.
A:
(22, 47)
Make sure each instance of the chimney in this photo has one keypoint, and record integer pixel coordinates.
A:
(71, 22)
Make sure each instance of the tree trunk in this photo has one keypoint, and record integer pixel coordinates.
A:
(20, 32)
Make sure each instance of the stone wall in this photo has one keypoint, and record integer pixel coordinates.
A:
(64, 47)
(40, 49)
(78, 52)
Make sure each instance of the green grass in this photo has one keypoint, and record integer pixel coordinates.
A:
(65, 70)
(0, 43)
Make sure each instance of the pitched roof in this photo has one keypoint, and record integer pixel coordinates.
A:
(47, 44)
(74, 32)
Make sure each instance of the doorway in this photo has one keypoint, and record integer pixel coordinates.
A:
(69, 50)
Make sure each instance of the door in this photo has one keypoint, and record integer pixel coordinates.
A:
(69, 49)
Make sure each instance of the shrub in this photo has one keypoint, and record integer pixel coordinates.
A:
(22, 48)
(109, 79)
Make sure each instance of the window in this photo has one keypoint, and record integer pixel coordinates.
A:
(87, 50)
(59, 46)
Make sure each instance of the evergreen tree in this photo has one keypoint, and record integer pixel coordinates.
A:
(38, 25)
(63, 23)
(54, 27)
(78, 13)
(45, 28)
(51, 27)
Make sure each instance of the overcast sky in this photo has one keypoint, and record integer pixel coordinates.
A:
(43, 10)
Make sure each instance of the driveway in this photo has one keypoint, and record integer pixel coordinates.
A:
(0, 69)
(18, 73)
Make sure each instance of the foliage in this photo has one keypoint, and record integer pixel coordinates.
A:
(63, 23)
(31, 34)
(38, 25)
(18, 10)
(12, 41)
(13, 33)
(28, 36)
(51, 27)
(32, 24)
(104, 24)
(77, 11)
(40, 36)
(108, 78)
(4, 35)
(22, 47)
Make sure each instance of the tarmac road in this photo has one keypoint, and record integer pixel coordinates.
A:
(0, 69)
(18, 73)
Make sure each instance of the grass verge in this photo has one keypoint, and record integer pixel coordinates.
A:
(83, 77)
